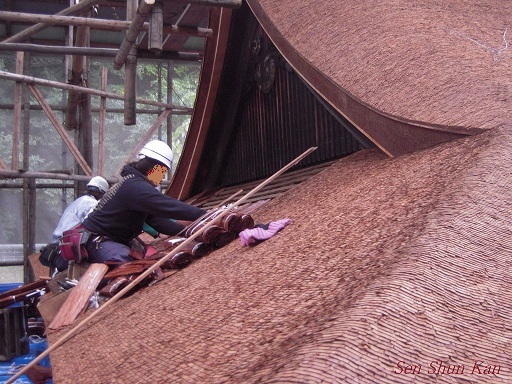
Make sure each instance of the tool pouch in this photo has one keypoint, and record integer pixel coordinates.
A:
(72, 244)
(48, 254)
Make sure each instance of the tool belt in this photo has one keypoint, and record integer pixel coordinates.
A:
(72, 244)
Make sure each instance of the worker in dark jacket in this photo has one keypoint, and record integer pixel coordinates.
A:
(121, 213)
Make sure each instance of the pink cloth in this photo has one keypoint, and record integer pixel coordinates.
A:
(252, 236)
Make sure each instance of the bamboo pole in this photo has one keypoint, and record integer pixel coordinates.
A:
(17, 113)
(151, 269)
(143, 10)
(61, 130)
(101, 24)
(144, 139)
(26, 33)
(55, 84)
(101, 128)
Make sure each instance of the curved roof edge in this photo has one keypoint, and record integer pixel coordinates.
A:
(213, 62)
(392, 134)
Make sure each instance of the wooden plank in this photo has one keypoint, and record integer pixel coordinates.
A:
(62, 132)
(50, 304)
(79, 297)
(25, 288)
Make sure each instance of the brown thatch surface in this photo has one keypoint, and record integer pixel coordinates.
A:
(387, 260)
(431, 61)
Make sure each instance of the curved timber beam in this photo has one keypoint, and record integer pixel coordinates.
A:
(215, 52)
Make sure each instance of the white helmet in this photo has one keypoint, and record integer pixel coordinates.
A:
(98, 182)
(157, 150)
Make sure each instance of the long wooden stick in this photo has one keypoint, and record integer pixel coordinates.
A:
(144, 9)
(144, 140)
(60, 129)
(155, 266)
(184, 230)
(101, 24)
(55, 84)
(26, 33)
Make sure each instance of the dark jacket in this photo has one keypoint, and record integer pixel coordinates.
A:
(122, 211)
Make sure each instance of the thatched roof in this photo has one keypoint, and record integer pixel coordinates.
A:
(387, 260)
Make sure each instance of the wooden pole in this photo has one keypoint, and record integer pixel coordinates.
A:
(17, 114)
(156, 24)
(29, 212)
(55, 84)
(37, 107)
(27, 185)
(130, 71)
(128, 43)
(76, 78)
(144, 139)
(101, 24)
(11, 174)
(97, 52)
(85, 127)
(58, 50)
(101, 128)
(60, 129)
(169, 90)
(151, 269)
(26, 33)
(217, 3)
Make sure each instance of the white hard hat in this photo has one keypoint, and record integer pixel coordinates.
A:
(157, 150)
(98, 182)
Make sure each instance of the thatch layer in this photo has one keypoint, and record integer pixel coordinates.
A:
(386, 261)
(430, 61)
